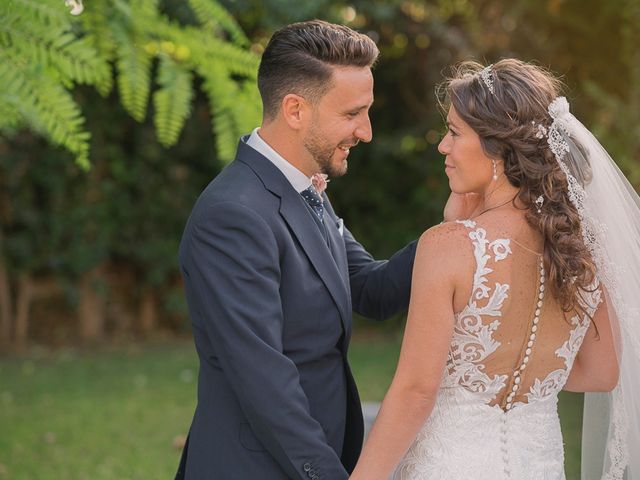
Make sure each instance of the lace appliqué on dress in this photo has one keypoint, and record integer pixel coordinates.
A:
(466, 437)
(554, 381)
(473, 340)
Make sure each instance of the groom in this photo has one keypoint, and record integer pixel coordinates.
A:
(272, 275)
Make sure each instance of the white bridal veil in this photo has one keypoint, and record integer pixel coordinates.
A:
(609, 210)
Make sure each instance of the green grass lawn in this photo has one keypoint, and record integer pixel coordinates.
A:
(115, 413)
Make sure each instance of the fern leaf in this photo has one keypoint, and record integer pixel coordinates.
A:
(144, 8)
(10, 118)
(134, 75)
(248, 108)
(220, 92)
(44, 52)
(44, 12)
(172, 101)
(213, 16)
(46, 106)
(204, 49)
(75, 60)
(226, 133)
(99, 33)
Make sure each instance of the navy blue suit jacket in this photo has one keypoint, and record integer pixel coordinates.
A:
(270, 302)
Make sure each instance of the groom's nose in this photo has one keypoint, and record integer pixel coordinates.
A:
(363, 130)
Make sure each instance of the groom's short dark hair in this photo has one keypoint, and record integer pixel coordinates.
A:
(299, 59)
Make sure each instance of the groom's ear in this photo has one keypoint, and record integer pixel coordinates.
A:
(295, 111)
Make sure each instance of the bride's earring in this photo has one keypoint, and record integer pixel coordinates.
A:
(495, 169)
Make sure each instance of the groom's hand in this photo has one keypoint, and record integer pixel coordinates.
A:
(461, 206)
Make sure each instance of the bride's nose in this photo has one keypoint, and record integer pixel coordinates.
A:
(443, 146)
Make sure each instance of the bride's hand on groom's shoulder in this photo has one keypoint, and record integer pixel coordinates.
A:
(460, 206)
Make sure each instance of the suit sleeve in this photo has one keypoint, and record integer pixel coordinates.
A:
(379, 288)
(233, 270)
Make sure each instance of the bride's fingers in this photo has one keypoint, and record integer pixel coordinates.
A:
(460, 206)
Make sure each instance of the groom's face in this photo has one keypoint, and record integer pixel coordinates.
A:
(340, 119)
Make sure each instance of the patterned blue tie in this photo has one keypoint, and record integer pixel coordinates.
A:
(314, 201)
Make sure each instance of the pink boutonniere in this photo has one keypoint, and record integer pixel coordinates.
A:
(319, 182)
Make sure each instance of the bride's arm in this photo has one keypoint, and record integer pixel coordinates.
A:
(596, 367)
(425, 346)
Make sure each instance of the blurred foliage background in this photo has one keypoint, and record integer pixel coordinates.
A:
(113, 121)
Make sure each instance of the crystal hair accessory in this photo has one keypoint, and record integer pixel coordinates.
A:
(541, 130)
(487, 78)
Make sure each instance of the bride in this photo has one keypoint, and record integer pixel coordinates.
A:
(536, 289)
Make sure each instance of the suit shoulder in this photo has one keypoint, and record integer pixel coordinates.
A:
(224, 213)
(237, 185)
(237, 181)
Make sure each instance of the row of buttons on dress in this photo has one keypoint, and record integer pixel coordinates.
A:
(517, 373)
(503, 447)
(532, 337)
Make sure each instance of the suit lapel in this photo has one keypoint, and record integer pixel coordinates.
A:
(306, 231)
(295, 213)
(337, 243)
(339, 256)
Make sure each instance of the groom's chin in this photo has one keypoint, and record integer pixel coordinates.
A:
(338, 170)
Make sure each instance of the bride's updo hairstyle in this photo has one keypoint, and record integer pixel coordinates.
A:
(507, 118)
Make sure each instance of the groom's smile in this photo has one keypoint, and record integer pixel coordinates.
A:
(340, 119)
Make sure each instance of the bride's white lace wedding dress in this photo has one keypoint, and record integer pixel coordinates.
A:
(511, 353)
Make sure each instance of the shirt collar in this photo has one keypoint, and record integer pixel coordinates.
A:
(298, 180)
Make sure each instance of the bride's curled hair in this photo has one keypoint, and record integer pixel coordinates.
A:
(511, 122)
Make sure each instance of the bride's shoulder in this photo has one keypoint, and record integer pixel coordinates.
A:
(456, 231)
(447, 240)
(445, 253)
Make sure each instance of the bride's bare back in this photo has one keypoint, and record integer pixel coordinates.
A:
(486, 351)
(512, 343)
(510, 352)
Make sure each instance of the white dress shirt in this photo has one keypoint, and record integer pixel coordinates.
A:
(298, 180)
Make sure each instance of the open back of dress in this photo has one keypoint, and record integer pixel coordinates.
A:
(511, 353)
